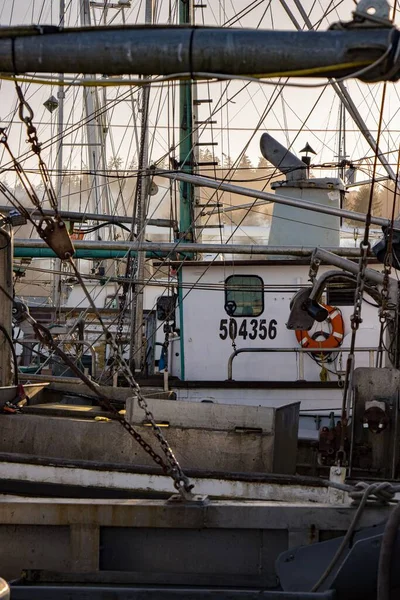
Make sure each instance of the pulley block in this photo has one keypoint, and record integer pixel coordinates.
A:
(54, 232)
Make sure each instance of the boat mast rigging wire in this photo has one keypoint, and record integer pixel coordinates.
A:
(384, 312)
(172, 466)
(356, 319)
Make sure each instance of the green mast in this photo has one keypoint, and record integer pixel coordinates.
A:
(186, 154)
(186, 159)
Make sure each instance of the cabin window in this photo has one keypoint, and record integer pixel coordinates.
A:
(244, 296)
(340, 292)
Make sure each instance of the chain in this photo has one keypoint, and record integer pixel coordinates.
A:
(51, 229)
(26, 184)
(26, 115)
(130, 267)
(384, 311)
(181, 481)
(172, 468)
(47, 339)
(232, 332)
(355, 321)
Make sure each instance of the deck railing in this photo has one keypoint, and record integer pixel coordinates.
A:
(300, 352)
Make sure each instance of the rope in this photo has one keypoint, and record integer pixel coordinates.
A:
(385, 565)
(382, 492)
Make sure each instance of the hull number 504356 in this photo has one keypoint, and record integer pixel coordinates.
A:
(248, 328)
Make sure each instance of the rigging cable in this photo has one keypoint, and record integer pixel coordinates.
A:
(172, 468)
(385, 318)
(365, 247)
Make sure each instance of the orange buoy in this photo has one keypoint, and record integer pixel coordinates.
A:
(333, 339)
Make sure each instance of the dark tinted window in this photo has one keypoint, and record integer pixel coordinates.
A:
(244, 296)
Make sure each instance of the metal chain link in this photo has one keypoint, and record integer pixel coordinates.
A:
(35, 145)
(384, 312)
(129, 271)
(181, 481)
(355, 321)
(47, 339)
(173, 468)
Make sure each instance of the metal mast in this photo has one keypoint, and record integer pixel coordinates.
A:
(59, 177)
(139, 215)
(186, 154)
(98, 191)
(186, 160)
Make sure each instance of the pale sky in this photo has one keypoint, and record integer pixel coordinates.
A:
(289, 112)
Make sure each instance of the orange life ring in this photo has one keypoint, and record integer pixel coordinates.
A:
(333, 340)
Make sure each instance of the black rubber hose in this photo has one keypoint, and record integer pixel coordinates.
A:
(386, 554)
(11, 344)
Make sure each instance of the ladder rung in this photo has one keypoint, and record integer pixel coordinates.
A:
(202, 101)
(208, 164)
(210, 205)
(206, 144)
(200, 6)
(208, 226)
(205, 122)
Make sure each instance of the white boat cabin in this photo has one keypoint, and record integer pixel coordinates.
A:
(244, 307)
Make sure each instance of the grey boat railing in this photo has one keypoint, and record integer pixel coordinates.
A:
(301, 352)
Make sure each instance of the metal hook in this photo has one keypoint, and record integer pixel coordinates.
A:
(23, 104)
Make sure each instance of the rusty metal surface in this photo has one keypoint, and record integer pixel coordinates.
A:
(158, 513)
(9, 393)
(155, 593)
(222, 543)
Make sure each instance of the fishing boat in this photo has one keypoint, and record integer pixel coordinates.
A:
(268, 379)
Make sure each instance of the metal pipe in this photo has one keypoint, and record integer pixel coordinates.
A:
(83, 254)
(270, 197)
(82, 217)
(50, 378)
(347, 265)
(321, 282)
(367, 181)
(181, 248)
(294, 350)
(169, 50)
(301, 367)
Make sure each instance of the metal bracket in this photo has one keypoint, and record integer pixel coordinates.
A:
(369, 14)
(337, 474)
(196, 499)
(376, 11)
(298, 317)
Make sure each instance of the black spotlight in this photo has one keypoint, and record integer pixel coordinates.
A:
(316, 311)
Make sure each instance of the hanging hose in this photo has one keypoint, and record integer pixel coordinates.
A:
(386, 554)
(10, 343)
(361, 495)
